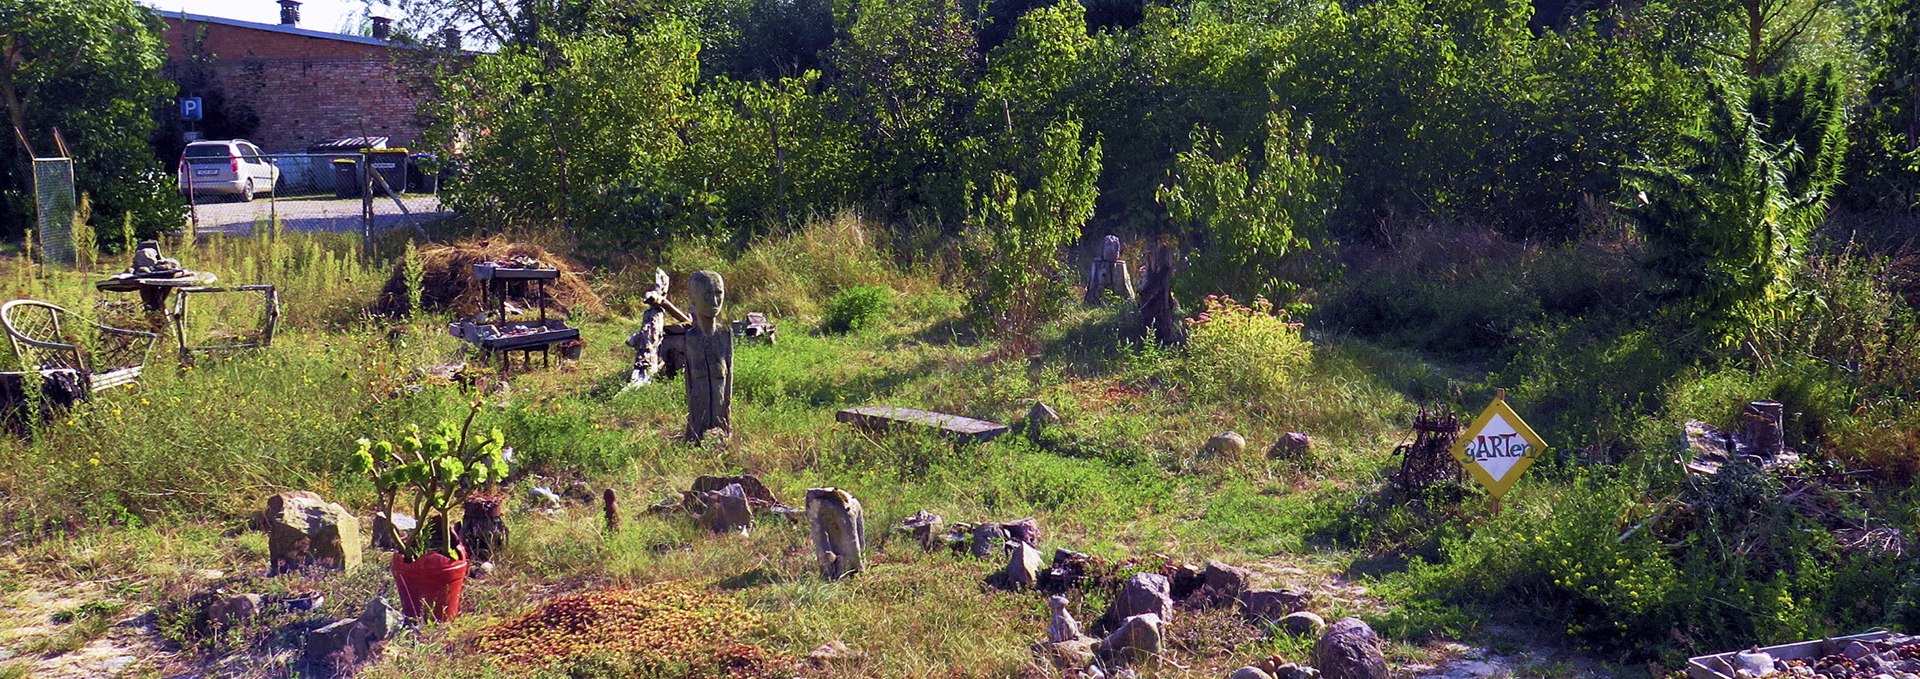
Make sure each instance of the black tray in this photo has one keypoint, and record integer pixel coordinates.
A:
(487, 271)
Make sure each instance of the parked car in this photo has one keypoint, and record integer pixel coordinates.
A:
(225, 168)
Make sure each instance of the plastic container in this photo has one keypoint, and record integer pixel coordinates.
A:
(432, 582)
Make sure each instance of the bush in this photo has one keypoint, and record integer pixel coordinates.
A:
(1244, 354)
(858, 307)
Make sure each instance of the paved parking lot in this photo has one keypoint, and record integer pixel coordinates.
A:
(318, 214)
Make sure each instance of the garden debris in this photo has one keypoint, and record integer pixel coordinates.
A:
(839, 533)
(659, 347)
(1429, 458)
(671, 624)
(756, 326)
(1350, 650)
(925, 527)
(982, 539)
(726, 503)
(1073, 570)
(448, 282)
(305, 531)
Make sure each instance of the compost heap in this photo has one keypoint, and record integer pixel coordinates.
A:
(449, 284)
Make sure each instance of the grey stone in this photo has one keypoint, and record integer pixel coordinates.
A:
(381, 620)
(1856, 650)
(984, 537)
(232, 610)
(839, 535)
(1292, 671)
(724, 510)
(1023, 566)
(1136, 640)
(1072, 654)
(1144, 593)
(305, 531)
(1062, 627)
(1227, 444)
(1025, 530)
(1291, 446)
(1220, 585)
(1349, 650)
(1302, 623)
(1268, 606)
(924, 526)
(333, 650)
(1042, 414)
(1249, 672)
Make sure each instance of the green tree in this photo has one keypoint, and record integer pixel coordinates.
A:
(1246, 214)
(91, 69)
(1884, 163)
(1023, 220)
(1727, 228)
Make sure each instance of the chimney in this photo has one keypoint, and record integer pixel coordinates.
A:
(451, 36)
(382, 28)
(289, 12)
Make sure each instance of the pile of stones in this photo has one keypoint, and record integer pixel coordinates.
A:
(1895, 657)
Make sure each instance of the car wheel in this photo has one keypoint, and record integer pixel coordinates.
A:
(246, 192)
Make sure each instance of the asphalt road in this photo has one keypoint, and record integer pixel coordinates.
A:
(317, 214)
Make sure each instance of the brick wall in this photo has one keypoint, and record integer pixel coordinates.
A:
(306, 89)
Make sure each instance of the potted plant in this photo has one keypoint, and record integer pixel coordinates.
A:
(435, 471)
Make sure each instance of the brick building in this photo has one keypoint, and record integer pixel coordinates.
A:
(294, 86)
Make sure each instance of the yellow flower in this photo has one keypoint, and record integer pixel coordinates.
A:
(93, 461)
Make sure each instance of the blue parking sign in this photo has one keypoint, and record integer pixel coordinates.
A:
(190, 108)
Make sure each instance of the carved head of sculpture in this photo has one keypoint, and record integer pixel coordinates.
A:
(709, 294)
(1110, 249)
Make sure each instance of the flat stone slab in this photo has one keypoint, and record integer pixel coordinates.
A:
(879, 418)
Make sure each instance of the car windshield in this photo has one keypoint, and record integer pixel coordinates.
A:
(207, 151)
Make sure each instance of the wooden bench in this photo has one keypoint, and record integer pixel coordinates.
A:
(45, 338)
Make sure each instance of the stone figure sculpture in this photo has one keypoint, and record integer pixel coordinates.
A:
(1159, 311)
(839, 533)
(1109, 273)
(709, 350)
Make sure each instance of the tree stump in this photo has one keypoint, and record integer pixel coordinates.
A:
(838, 534)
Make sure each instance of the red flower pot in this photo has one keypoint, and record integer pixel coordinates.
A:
(433, 580)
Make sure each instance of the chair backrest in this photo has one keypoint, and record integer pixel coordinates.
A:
(37, 333)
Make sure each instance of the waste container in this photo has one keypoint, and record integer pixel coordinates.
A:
(423, 174)
(346, 177)
(392, 166)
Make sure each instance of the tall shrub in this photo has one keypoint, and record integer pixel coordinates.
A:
(1022, 221)
(1249, 213)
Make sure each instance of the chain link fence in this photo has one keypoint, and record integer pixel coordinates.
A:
(345, 192)
(54, 201)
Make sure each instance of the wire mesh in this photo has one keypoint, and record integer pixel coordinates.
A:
(54, 201)
(321, 192)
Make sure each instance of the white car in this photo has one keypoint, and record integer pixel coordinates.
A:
(225, 168)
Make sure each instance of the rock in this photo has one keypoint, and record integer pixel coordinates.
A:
(839, 535)
(1349, 650)
(1854, 651)
(1062, 627)
(1226, 445)
(1269, 606)
(304, 531)
(724, 510)
(381, 620)
(543, 498)
(1137, 639)
(232, 610)
(1183, 580)
(756, 491)
(1068, 570)
(984, 537)
(334, 649)
(1220, 585)
(1143, 594)
(1041, 414)
(1023, 566)
(1025, 530)
(1072, 654)
(1292, 671)
(1292, 445)
(384, 531)
(924, 526)
(1249, 672)
(1302, 623)
(829, 652)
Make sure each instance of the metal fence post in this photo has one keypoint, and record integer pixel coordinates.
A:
(366, 203)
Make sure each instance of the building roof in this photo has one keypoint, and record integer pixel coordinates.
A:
(290, 30)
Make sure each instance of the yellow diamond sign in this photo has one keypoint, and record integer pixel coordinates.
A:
(1498, 447)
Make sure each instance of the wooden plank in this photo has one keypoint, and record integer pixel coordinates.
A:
(879, 418)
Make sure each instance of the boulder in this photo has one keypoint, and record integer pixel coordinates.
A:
(1023, 566)
(1144, 593)
(725, 510)
(1302, 624)
(1226, 444)
(1349, 650)
(1268, 606)
(305, 531)
(233, 610)
(1292, 445)
(1072, 654)
(1249, 672)
(333, 650)
(1026, 530)
(1136, 639)
(839, 534)
(1220, 585)
(1062, 627)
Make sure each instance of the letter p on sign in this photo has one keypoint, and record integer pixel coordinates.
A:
(190, 108)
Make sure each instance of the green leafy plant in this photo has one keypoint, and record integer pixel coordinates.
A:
(437, 470)
(857, 307)
(1251, 213)
(1023, 223)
